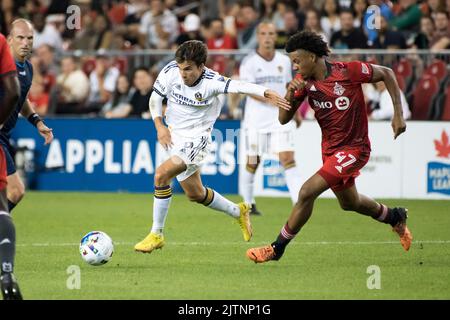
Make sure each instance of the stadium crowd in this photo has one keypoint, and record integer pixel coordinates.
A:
(96, 83)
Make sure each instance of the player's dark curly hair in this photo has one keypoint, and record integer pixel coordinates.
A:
(192, 50)
(309, 41)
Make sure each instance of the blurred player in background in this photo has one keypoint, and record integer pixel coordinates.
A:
(9, 96)
(263, 132)
(193, 106)
(20, 41)
(334, 92)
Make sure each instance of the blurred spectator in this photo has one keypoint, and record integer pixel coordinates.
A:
(219, 40)
(385, 110)
(47, 65)
(46, 32)
(431, 7)
(359, 8)
(247, 35)
(385, 11)
(269, 12)
(71, 90)
(38, 97)
(159, 26)
(388, 39)
(8, 12)
(348, 37)
(97, 35)
(29, 9)
(129, 30)
(290, 28)
(441, 36)
(230, 18)
(143, 82)
(102, 82)
(191, 27)
(425, 36)
(119, 105)
(409, 17)
(330, 21)
(302, 7)
(58, 6)
(312, 23)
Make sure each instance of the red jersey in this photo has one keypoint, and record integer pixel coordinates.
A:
(338, 104)
(7, 63)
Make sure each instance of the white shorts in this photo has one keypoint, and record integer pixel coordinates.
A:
(193, 151)
(263, 142)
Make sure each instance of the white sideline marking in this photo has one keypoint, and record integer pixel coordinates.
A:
(310, 243)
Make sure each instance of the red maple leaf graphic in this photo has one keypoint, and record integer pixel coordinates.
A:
(443, 146)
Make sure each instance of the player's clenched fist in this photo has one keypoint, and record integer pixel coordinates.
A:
(296, 84)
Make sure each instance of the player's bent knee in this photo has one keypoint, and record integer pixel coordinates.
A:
(161, 177)
(306, 194)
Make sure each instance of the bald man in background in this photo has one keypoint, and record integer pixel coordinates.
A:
(20, 41)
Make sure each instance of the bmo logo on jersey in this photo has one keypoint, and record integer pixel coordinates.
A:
(341, 103)
(322, 104)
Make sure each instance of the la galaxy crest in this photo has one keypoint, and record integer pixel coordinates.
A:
(198, 96)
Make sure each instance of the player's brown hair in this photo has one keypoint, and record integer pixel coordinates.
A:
(192, 50)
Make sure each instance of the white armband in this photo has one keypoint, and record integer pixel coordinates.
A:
(155, 105)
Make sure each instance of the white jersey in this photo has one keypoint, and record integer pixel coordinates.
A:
(192, 110)
(275, 75)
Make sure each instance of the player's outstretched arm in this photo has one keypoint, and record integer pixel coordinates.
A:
(236, 86)
(277, 100)
(155, 106)
(381, 73)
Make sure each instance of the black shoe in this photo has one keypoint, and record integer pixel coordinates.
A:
(254, 211)
(10, 288)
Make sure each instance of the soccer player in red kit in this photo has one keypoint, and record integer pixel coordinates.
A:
(334, 91)
(9, 96)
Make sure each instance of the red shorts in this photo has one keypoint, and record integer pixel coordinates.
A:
(3, 173)
(341, 168)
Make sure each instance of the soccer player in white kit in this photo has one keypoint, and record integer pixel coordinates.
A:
(263, 132)
(193, 106)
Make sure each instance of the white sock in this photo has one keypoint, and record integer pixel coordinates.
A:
(248, 179)
(216, 201)
(293, 181)
(161, 203)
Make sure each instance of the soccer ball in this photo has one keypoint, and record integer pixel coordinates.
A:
(96, 248)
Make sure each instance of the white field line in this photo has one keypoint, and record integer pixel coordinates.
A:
(218, 243)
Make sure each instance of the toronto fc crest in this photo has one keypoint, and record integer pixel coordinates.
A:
(338, 89)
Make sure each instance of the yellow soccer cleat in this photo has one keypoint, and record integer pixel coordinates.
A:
(244, 220)
(151, 242)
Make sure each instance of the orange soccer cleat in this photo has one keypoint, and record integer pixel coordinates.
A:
(262, 254)
(402, 230)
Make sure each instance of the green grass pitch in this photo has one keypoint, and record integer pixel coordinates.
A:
(204, 256)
